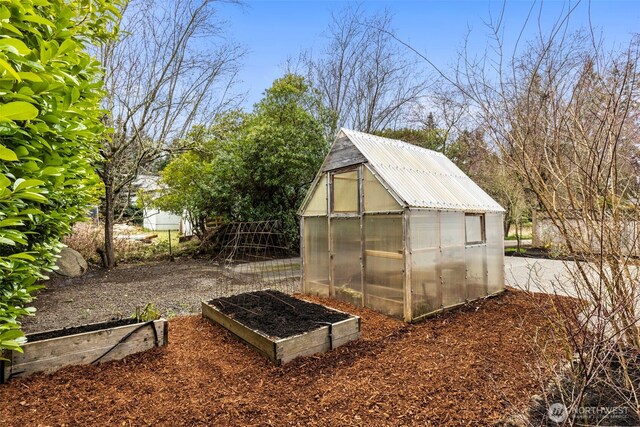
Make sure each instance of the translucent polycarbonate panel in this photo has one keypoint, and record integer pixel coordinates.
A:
(494, 229)
(345, 192)
(383, 232)
(376, 197)
(426, 289)
(347, 273)
(318, 203)
(495, 269)
(451, 229)
(476, 261)
(384, 263)
(424, 229)
(495, 252)
(426, 295)
(421, 177)
(316, 256)
(474, 225)
(453, 275)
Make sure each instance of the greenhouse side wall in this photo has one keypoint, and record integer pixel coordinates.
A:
(476, 271)
(475, 256)
(455, 257)
(347, 250)
(315, 242)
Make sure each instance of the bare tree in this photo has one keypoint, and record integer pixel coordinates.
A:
(564, 114)
(444, 107)
(363, 75)
(170, 68)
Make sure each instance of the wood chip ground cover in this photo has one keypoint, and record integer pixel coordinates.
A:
(467, 367)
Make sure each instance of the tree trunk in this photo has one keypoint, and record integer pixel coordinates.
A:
(109, 258)
(506, 224)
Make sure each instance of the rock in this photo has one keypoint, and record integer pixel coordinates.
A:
(515, 420)
(537, 400)
(71, 263)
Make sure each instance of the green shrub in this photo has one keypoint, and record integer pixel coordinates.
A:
(252, 166)
(50, 128)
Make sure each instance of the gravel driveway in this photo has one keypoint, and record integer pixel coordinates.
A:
(174, 287)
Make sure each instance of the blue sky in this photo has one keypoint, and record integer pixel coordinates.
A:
(275, 30)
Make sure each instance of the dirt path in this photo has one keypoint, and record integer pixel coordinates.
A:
(174, 287)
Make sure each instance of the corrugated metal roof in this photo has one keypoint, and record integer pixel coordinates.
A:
(422, 178)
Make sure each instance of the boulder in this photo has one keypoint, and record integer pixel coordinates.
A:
(71, 263)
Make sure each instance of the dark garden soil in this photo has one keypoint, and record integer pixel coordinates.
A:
(471, 366)
(80, 329)
(275, 313)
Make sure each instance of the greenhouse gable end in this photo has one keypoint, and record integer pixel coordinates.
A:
(399, 229)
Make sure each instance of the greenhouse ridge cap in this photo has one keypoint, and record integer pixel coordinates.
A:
(396, 142)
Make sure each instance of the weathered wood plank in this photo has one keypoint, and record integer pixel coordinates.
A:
(78, 343)
(306, 344)
(50, 365)
(321, 348)
(50, 355)
(261, 342)
(343, 153)
(345, 327)
(384, 254)
(337, 342)
(298, 342)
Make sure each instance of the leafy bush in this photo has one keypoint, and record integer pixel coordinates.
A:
(87, 237)
(252, 167)
(50, 123)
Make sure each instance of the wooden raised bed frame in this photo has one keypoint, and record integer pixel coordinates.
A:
(114, 343)
(283, 350)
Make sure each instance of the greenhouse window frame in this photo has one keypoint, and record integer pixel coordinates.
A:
(331, 192)
(483, 231)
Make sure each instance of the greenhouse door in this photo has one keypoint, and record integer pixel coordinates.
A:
(346, 237)
(345, 260)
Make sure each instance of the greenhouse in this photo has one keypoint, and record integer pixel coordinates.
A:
(399, 229)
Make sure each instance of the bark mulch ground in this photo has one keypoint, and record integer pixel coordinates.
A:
(471, 366)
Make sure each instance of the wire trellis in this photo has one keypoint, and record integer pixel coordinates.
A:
(253, 257)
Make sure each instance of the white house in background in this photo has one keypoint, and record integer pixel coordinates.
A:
(155, 219)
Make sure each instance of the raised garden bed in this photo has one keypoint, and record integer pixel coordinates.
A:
(281, 327)
(83, 345)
